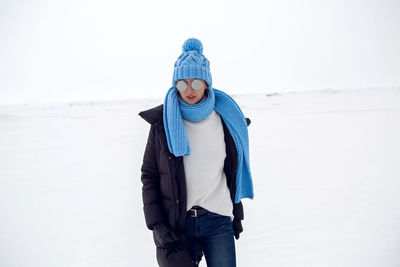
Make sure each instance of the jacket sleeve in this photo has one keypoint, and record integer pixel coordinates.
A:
(150, 177)
(238, 212)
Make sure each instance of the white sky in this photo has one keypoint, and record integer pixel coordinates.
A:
(90, 50)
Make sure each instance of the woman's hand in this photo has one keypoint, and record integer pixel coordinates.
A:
(237, 228)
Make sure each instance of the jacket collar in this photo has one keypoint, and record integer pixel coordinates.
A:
(153, 115)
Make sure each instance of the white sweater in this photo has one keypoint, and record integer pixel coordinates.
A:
(206, 184)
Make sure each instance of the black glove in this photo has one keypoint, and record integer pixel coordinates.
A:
(237, 228)
(163, 236)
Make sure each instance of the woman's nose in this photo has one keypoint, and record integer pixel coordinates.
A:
(189, 88)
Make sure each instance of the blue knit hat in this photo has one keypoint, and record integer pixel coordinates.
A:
(192, 63)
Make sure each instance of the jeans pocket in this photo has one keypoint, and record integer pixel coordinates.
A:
(219, 223)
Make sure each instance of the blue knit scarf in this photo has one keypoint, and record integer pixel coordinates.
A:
(175, 109)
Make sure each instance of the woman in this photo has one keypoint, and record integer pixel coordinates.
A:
(195, 168)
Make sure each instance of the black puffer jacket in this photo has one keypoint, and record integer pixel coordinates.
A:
(163, 178)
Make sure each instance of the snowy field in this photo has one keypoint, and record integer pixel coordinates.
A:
(326, 170)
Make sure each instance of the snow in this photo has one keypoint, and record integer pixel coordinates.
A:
(325, 166)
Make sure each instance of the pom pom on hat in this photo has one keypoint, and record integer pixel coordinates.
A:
(192, 44)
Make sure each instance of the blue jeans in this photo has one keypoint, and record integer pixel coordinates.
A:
(212, 234)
